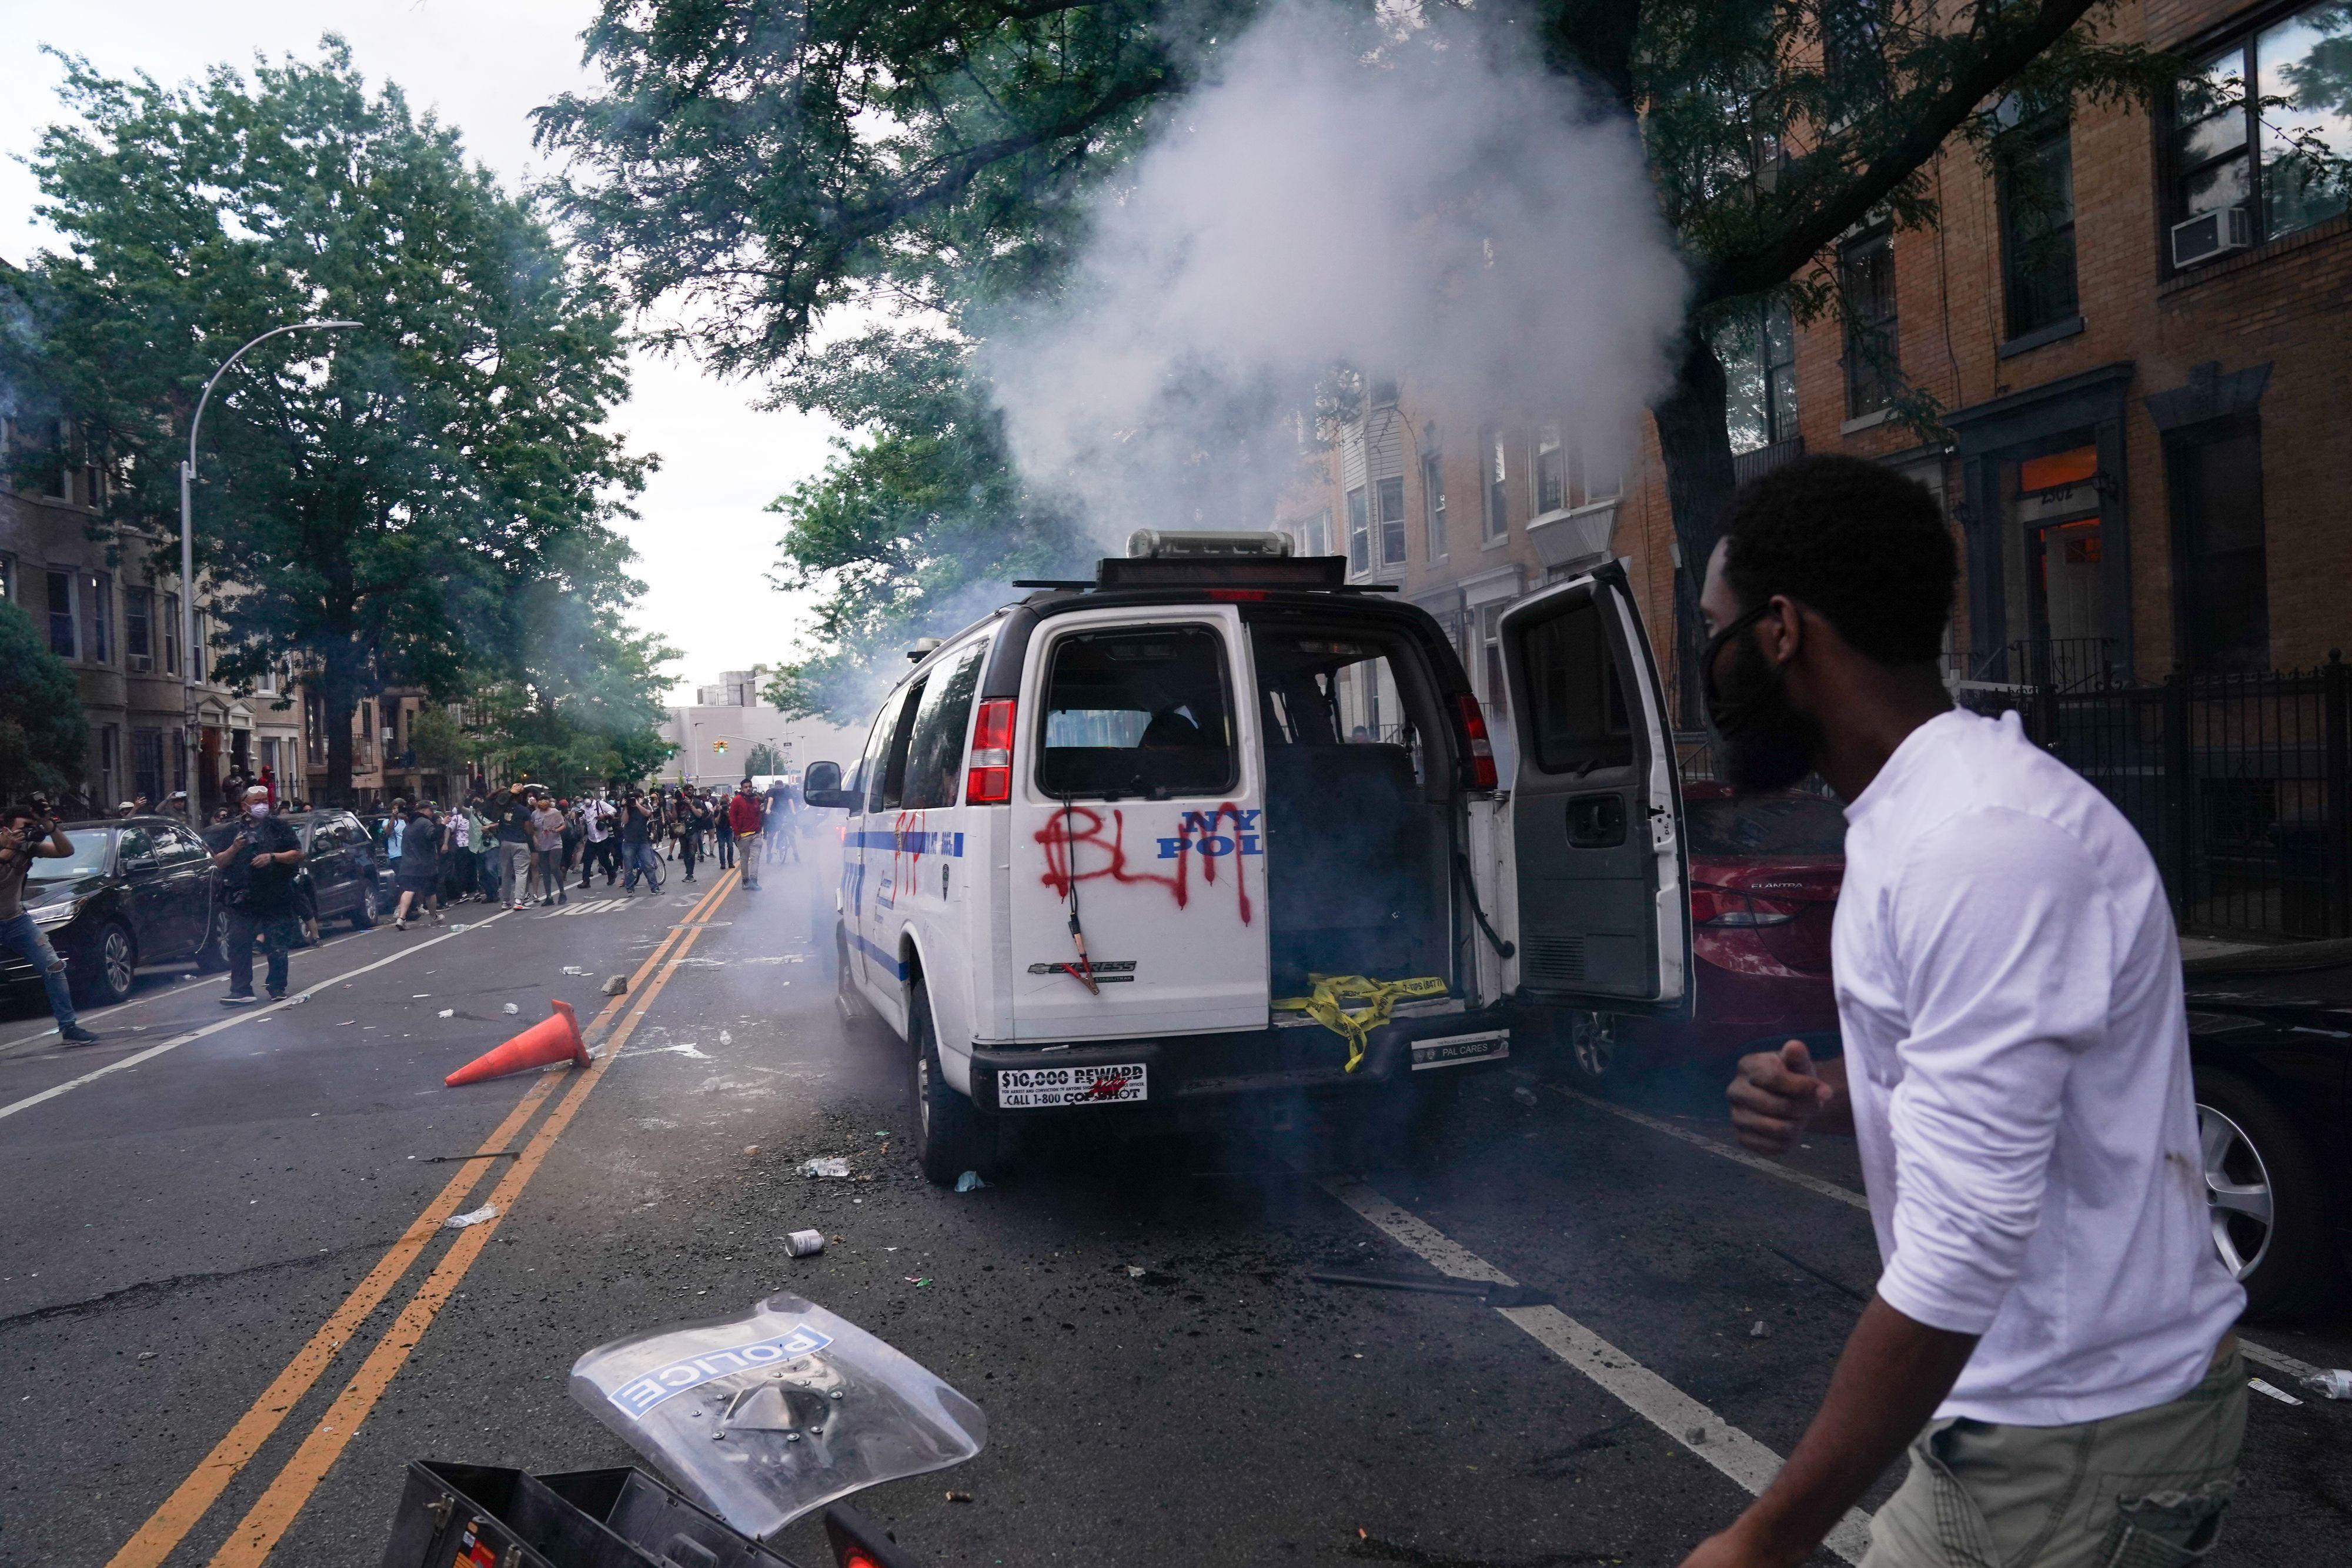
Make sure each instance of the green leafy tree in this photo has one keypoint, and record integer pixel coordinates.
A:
(760, 165)
(43, 736)
(764, 760)
(439, 740)
(909, 525)
(392, 504)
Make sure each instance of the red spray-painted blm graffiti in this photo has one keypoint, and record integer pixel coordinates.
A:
(1084, 828)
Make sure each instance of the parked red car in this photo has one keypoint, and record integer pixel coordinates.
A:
(1765, 872)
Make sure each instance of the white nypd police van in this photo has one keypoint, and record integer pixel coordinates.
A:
(1094, 837)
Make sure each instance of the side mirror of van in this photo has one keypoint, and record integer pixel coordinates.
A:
(821, 786)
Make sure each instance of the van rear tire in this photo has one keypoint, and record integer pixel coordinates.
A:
(950, 1137)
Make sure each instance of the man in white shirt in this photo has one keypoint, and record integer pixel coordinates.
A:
(596, 825)
(2052, 1331)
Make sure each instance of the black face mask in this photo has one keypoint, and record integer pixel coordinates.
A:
(1762, 741)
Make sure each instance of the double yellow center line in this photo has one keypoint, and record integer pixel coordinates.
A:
(259, 1532)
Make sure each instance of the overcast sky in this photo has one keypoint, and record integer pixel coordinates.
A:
(705, 542)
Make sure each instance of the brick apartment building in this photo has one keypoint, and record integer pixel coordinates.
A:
(2144, 369)
(117, 627)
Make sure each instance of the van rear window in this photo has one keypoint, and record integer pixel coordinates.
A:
(1144, 711)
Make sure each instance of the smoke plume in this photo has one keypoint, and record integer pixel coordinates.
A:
(1413, 197)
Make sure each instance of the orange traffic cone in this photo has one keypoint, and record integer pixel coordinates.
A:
(550, 1040)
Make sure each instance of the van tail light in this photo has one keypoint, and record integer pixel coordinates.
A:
(858, 1543)
(1482, 749)
(1723, 909)
(988, 781)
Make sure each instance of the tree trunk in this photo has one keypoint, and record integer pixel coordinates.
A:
(338, 695)
(1695, 443)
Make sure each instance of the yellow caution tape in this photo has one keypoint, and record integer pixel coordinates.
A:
(1378, 996)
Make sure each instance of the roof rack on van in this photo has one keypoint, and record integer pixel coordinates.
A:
(1260, 561)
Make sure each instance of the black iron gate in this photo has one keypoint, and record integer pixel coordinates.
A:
(2241, 785)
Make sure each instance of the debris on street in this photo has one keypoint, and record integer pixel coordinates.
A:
(827, 1165)
(958, 1497)
(1523, 1095)
(1759, 1330)
(448, 1012)
(2281, 1395)
(511, 1007)
(573, 969)
(616, 984)
(805, 1243)
(970, 1182)
(750, 1148)
(476, 1216)
(2334, 1383)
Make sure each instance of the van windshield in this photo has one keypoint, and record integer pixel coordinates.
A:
(1142, 711)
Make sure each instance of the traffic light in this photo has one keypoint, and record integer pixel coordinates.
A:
(719, 745)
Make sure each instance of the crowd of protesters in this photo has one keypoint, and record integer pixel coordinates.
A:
(521, 848)
(517, 848)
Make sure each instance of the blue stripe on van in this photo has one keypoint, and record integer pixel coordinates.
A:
(913, 843)
(890, 961)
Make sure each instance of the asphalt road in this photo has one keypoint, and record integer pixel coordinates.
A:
(231, 1313)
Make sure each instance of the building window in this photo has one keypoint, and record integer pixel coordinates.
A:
(62, 641)
(109, 764)
(1866, 280)
(1315, 534)
(1604, 472)
(1854, 55)
(102, 617)
(1547, 473)
(2281, 153)
(138, 627)
(8, 579)
(2218, 565)
(1360, 532)
(1432, 494)
(1492, 454)
(147, 764)
(2034, 168)
(1758, 350)
(171, 634)
(1390, 494)
(1496, 697)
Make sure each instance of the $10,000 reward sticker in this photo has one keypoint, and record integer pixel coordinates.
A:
(1036, 1088)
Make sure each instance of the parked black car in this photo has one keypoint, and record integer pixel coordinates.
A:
(136, 890)
(2270, 1040)
(341, 877)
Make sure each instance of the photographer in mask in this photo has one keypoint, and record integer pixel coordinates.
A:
(29, 833)
(257, 886)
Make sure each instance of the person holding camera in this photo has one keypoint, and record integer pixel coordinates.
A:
(257, 887)
(29, 833)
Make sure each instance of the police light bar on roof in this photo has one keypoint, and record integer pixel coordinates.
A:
(1161, 544)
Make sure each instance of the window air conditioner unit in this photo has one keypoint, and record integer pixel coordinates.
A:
(142, 663)
(2210, 234)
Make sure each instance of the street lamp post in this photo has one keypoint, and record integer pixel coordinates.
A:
(190, 733)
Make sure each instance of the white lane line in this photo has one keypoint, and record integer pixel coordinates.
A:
(152, 1051)
(2276, 1360)
(178, 985)
(1844, 1194)
(1648, 1396)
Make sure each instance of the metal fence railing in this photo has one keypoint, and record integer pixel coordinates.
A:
(2242, 786)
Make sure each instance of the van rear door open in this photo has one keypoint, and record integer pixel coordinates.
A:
(1597, 851)
(1138, 806)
